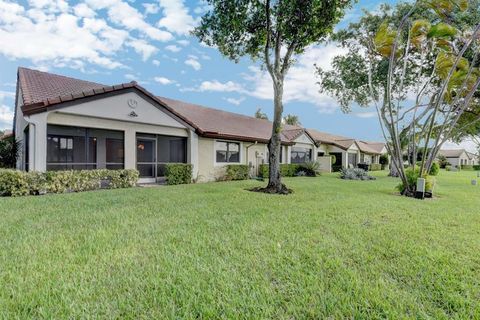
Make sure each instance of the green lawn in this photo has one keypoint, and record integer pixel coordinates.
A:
(338, 249)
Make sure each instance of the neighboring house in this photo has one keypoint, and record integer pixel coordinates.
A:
(65, 123)
(348, 152)
(6, 134)
(459, 157)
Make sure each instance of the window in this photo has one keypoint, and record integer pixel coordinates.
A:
(320, 154)
(115, 153)
(300, 155)
(227, 152)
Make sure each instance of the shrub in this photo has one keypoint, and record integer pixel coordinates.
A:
(383, 160)
(236, 172)
(311, 169)
(442, 161)
(448, 168)
(9, 149)
(19, 183)
(435, 169)
(355, 174)
(178, 173)
(476, 167)
(337, 167)
(375, 167)
(412, 177)
(286, 170)
(467, 167)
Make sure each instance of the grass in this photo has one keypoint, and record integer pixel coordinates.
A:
(337, 249)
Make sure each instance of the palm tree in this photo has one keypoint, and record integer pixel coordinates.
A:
(261, 115)
(292, 119)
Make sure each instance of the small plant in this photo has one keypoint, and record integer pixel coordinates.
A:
(311, 168)
(236, 172)
(334, 158)
(178, 173)
(442, 161)
(383, 161)
(435, 169)
(412, 177)
(355, 174)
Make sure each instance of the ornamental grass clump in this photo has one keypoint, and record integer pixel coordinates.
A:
(355, 174)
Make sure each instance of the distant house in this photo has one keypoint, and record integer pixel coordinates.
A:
(64, 123)
(459, 157)
(348, 152)
(6, 134)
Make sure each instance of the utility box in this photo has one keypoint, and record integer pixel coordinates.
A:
(420, 193)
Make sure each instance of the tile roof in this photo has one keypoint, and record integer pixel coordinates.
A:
(38, 86)
(345, 143)
(451, 153)
(213, 122)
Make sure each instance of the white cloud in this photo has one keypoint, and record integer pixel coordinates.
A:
(82, 10)
(365, 115)
(234, 101)
(151, 8)
(173, 48)
(467, 144)
(193, 63)
(156, 62)
(130, 76)
(163, 80)
(301, 81)
(176, 17)
(6, 117)
(183, 42)
(218, 86)
(125, 15)
(142, 47)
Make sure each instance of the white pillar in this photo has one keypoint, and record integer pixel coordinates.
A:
(130, 145)
(37, 157)
(345, 159)
(288, 154)
(193, 152)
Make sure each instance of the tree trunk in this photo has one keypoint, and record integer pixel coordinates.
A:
(274, 181)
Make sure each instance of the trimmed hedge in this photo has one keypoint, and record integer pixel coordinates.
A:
(286, 170)
(236, 172)
(19, 183)
(476, 167)
(375, 167)
(467, 167)
(178, 173)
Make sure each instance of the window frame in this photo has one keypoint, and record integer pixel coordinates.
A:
(238, 143)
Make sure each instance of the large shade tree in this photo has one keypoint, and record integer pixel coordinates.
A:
(274, 32)
(418, 65)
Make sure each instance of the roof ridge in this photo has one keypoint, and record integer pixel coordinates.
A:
(224, 111)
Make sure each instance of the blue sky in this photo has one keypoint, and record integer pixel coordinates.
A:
(116, 41)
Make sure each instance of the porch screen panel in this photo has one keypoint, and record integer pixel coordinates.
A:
(300, 155)
(170, 150)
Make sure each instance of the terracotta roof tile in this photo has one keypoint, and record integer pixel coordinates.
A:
(38, 86)
(228, 124)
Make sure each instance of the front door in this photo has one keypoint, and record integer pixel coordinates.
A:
(146, 162)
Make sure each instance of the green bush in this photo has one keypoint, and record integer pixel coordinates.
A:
(178, 173)
(435, 169)
(9, 150)
(476, 167)
(311, 168)
(19, 183)
(384, 159)
(412, 176)
(467, 167)
(448, 168)
(337, 167)
(286, 170)
(237, 172)
(442, 161)
(375, 167)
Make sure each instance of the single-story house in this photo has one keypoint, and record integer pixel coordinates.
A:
(65, 123)
(459, 157)
(348, 152)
